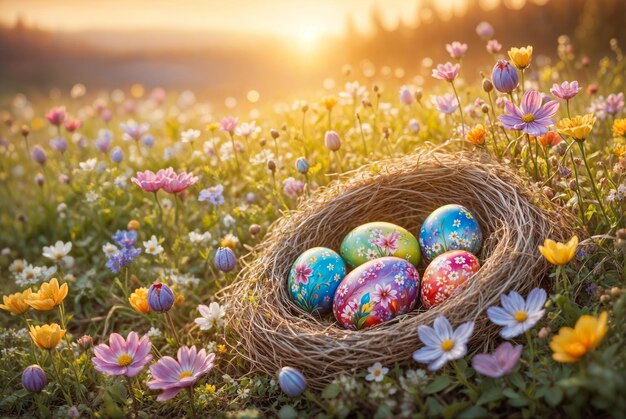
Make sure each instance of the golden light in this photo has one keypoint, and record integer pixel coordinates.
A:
(307, 40)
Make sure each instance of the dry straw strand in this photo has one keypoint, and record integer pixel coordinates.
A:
(270, 331)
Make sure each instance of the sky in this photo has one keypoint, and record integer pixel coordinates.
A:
(309, 18)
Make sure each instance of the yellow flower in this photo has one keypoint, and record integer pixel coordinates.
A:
(619, 127)
(210, 388)
(16, 303)
(221, 349)
(47, 336)
(477, 135)
(521, 56)
(229, 241)
(620, 150)
(213, 126)
(329, 102)
(559, 253)
(578, 127)
(139, 300)
(49, 295)
(569, 345)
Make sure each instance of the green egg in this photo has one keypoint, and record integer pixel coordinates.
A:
(379, 239)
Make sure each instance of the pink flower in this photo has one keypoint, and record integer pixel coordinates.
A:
(456, 50)
(447, 71)
(446, 103)
(229, 124)
(532, 117)
(175, 183)
(72, 125)
(293, 187)
(122, 357)
(614, 103)
(173, 376)
(56, 116)
(493, 46)
(148, 180)
(303, 272)
(388, 243)
(485, 30)
(566, 90)
(384, 294)
(500, 363)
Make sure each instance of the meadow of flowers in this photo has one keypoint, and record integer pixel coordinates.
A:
(125, 212)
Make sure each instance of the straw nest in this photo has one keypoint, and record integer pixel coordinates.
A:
(272, 332)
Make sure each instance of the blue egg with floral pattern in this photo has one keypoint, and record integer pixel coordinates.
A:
(451, 227)
(314, 278)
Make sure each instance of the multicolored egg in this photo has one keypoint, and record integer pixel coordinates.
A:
(376, 292)
(446, 275)
(451, 227)
(374, 240)
(314, 277)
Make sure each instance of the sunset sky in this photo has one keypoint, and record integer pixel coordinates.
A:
(282, 17)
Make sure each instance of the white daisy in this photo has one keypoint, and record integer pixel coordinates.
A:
(152, 246)
(213, 315)
(376, 372)
(190, 135)
(516, 314)
(442, 343)
(199, 238)
(58, 251)
(88, 165)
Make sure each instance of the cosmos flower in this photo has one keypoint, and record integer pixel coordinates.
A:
(122, 356)
(175, 183)
(532, 117)
(442, 343)
(500, 363)
(446, 72)
(493, 46)
(565, 90)
(172, 376)
(148, 180)
(614, 103)
(570, 345)
(516, 314)
(133, 131)
(446, 103)
(456, 50)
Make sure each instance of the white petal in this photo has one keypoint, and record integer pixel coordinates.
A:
(443, 328)
(428, 336)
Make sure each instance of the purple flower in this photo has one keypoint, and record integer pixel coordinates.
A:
(160, 297)
(225, 259)
(122, 258)
(446, 103)
(500, 363)
(485, 30)
(493, 46)
(103, 142)
(122, 357)
(533, 118)
(133, 130)
(614, 103)
(56, 116)
(406, 96)
(59, 144)
(504, 77)
(447, 71)
(456, 50)
(117, 155)
(214, 195)
(173, 376)
(566, 90)
(34, 379)
(125, 238)
(39, 155)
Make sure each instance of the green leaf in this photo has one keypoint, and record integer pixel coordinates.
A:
(440, 383)
(510, 393)
(491, 395)
(474, 412)
(517, 380)
(287, 412)
(331, 391)
(434, 407)
(554, 396)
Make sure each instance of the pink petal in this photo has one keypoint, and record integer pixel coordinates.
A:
(168, 394)
(117, 344)
(131, 344)
(531, 102)
(486, 364)
(548, 110)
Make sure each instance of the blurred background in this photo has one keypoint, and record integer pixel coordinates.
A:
(249, 50)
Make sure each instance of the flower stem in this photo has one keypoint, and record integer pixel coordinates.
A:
(55, 367)
(132, 395)
(232, 141)
(593, 182)
(531, 356)
(460, 108)
(172, 327)
(191, 399)
(461, 376)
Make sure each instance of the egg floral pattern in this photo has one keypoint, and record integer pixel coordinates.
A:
(314, 277)
(375, 292)
(451, 227)
(447, 274)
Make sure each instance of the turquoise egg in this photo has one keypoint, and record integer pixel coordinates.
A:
(379, 239)
(451, 227)
(314, 277)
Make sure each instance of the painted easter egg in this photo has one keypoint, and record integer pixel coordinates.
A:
(314, 277)
(451, 227)
(378, 239)
(376, 292)
(446, 275)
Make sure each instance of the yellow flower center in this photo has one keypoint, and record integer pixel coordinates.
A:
(447, 345)
(521, 316)
(377, 372)
(528, 118)
(184, 374)
(125, 360)
(576, 349)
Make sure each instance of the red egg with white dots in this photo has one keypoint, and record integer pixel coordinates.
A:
(447, 275)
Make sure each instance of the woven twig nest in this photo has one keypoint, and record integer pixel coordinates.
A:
(272, 332)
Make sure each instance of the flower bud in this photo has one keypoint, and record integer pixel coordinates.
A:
(615, 292)
(254, 229)
(485, 108)
(302, 165)
(504, 77)
(40, 179)
(117, 155)
(415, 126)
(225, 259)
(543, 333)
(291, 381)
(39, 155)
(271, 165)
(85, 341)
(34, 379)
(621, 234)
(418, 94)
(604, 298)
(487, 85)
(160, 297)
(548, 191)
(64, 179)
(592, 88)
(332, 141)
(274, 133)
(25, 130)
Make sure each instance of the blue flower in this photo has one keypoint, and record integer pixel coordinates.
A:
(125, 238)
(122, 258)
